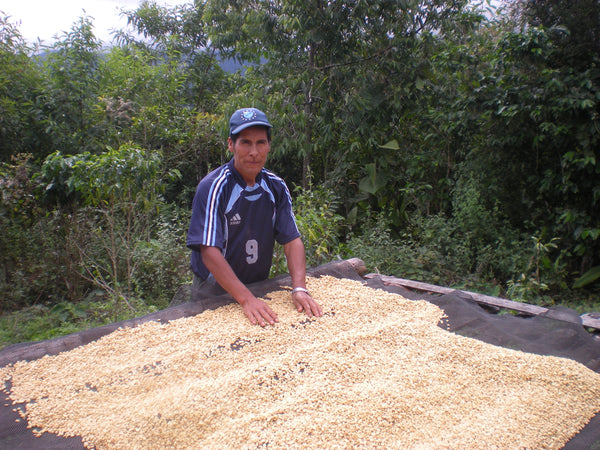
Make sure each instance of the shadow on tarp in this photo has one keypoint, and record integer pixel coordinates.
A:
(558, 333)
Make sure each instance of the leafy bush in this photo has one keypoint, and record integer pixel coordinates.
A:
(375, 246)
(162, 263)
(443, 251)
(120, 189)
(543, 271)
(29, 261)
(320, 227)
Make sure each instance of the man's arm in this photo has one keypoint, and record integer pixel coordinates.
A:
(296, 261)
(255, 309)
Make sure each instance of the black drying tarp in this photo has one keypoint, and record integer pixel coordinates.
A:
(558, 333)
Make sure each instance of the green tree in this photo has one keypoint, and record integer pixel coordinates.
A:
(525, 136)
(547, 134)
(576, 28)
(173, 83)
(179, 35)
(142, 101)
(72, 67)
(21, 130)
(341, 77)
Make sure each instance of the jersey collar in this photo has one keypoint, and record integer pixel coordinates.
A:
(238, 176)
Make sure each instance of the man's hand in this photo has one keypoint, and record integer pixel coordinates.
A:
(296, 260)
(255, 309)
(304, 302)
(259, 312)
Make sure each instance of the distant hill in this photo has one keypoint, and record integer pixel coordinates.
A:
(230, 65)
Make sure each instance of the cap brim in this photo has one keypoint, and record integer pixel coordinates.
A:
(248, 125)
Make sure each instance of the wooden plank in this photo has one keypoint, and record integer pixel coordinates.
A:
(591, 320)
(588, 320)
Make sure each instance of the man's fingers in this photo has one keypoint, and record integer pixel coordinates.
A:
(306, 302)
(260, 313)
(256, 318)
(315, 309)
(251, 318)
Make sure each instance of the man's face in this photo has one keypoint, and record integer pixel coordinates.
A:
(250, 152)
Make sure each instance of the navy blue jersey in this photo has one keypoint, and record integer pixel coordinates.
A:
(244, 222)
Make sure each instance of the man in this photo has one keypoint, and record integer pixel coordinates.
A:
(239, 211)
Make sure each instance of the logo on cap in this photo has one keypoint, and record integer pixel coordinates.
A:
(248, 114)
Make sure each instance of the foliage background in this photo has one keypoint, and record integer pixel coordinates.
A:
(438, 140)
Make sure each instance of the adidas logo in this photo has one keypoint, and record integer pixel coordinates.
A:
(235, 220)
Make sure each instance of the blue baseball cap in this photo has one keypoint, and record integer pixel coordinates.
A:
(247, 117)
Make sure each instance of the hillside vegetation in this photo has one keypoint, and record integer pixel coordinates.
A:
(437, 140)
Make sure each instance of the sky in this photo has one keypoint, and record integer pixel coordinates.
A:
(44, 19)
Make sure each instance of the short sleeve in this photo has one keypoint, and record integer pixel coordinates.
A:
(286, 229)
(206, 224)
